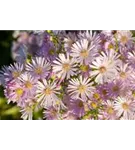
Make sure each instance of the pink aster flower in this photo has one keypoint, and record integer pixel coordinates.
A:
(124, 73)
(109, 113)
(104, 67)
(83, 51)
(27, 113)
(80, 88)
(29, 83)
(64, 66)
(125, 37)
(39, 67)
(124, 107)
(47, 92)
(15, 92)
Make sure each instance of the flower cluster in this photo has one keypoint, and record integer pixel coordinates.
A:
(72, 74)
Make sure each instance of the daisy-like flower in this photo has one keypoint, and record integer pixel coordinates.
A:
(124, 73)
(125, 37)
(110, 45)
(51, 113)
(15, 92)
(29, 83)
(59, 105)
(69, 40)
(64, 67)
(47, 93)
(104, 67)
(92, 37)
(124, 107)
(10, 73)
(80, 88)
(27, 113)
(77, 108)
(109, 112)
(83, 51)
(47, 49)
(114, 88)
(102, 92)
(16, 70)
(39, 67)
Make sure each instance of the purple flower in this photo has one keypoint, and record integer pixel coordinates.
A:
(102, 91)
(10, 73)
(114, 89)
(47, 49)
(77, 108)
(51, 113)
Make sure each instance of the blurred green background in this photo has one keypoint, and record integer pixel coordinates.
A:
(10, 111)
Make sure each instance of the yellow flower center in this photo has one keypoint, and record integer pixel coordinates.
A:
(82, 88)
(102, 69)
(96, 95)
(84, 53)
(66, 66)
(16, 74)
(80, 104)
(39, 70)
(48, 91)
(115, 88)
(123, 74)
(19, 92)
(125, 106)
(110, 46)
(110, 110)
(28, 85)
(84, 68)
(124, 39)
(104, 92)
(93, 105)
(58, 102)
